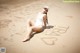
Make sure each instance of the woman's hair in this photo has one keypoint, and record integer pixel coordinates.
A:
(46, 7)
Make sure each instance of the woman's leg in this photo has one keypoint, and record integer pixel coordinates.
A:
(31, 28)
(29, 34)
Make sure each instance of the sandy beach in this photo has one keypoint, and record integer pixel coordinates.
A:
(62, 35)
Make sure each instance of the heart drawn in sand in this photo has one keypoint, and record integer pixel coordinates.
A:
(49, 40)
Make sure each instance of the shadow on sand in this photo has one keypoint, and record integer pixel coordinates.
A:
(49, 27)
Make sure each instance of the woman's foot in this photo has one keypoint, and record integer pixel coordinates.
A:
(26, 40)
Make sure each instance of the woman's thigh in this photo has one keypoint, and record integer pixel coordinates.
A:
(37, 29)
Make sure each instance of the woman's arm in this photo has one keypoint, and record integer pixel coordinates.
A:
(45, 20)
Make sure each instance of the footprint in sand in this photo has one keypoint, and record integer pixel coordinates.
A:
(4, 23)
(0, 43)
(5, 39)
(2, 8)
(70, 16)
(8, 39)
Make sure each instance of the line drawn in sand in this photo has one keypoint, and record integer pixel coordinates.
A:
(56, 31)
(49, 40)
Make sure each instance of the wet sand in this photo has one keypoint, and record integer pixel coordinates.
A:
(62, 35)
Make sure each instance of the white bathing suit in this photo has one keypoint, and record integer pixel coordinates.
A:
(39, 20)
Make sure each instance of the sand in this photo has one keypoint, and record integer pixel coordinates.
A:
(62, 35)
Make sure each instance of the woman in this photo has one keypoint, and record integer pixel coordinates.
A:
(39, 25)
